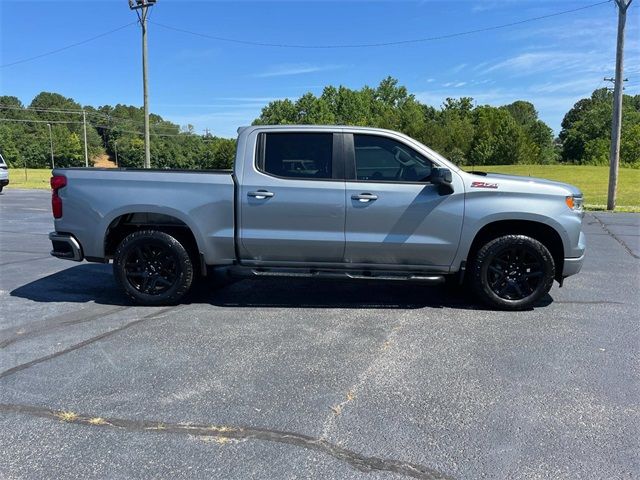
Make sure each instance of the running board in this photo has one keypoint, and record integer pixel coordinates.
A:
(429, 279)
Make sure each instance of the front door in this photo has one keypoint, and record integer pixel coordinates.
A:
(395, 216)
(292, 199)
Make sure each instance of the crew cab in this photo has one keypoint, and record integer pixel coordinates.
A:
(322, 201)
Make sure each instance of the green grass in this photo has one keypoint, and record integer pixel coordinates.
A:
(35, 178)
(593, 181)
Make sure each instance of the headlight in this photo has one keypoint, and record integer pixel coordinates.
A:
(575, 203)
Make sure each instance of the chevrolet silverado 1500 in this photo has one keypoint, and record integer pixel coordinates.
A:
(322, 201)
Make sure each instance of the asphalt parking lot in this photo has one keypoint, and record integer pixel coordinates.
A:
(301, 379)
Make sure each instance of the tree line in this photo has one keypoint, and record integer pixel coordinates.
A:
(112, 130)
(461, 130)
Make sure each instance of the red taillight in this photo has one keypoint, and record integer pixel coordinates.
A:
(57, 182)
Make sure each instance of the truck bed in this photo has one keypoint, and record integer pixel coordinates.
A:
(95, 198)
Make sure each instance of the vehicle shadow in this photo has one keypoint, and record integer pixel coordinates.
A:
(79, 284)
(94, 282)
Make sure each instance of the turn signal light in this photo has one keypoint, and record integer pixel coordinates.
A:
(570, 202)
(574, 203)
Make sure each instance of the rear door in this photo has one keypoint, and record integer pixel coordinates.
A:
(394, 215)
(292, 200)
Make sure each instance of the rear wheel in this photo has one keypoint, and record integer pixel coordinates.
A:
(153, 268)
(512, 272)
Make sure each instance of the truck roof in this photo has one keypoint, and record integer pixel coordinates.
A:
(316, 127)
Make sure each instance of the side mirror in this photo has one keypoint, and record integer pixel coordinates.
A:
(440, 176)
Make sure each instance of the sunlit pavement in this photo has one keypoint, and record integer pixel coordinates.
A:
(303, 379)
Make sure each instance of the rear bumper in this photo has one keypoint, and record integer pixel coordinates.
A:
(65, 246)
(572, 266)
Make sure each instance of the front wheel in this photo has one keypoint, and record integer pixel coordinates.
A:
(153, 268)
(512, 272)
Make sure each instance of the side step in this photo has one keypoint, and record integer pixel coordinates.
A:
(384, 276)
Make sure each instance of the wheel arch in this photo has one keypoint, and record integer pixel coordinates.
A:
(129, 222)
(544, 233)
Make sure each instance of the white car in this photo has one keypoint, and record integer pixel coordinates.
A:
(4, 173)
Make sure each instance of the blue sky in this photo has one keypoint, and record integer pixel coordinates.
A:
(220, 85)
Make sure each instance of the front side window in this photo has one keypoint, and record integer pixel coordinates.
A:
(387, 160)
(297, 155)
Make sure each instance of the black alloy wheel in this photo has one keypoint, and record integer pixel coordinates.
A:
(515, 273)
(153, 268)
(512, 272)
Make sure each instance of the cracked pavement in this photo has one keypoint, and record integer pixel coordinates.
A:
(314, 379)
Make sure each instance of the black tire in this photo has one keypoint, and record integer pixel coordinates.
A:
(512, 272)
(153, 268)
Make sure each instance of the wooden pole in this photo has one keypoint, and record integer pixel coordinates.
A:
(616, 121)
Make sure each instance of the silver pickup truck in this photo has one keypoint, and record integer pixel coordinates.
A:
(322, 201)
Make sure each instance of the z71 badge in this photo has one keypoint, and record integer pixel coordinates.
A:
(483, 185)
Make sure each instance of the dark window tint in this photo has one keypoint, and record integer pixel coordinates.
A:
(384, 159)
(298, 155)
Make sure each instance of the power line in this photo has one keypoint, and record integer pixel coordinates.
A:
(107, 127)
(78, 112)
(376, 44)
(51, 110)
(284, 45)
(123, 119)
(67, 47)
(36, 121)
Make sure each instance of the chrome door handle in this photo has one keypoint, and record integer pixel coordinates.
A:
(364, 197)
(261, 194)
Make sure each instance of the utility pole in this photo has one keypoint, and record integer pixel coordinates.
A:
(616, 120)
(115, 145)
(53, 165)
(141, 8)
(613, 80)
(84, 128)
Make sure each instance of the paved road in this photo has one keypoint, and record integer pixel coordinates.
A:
(297, 379)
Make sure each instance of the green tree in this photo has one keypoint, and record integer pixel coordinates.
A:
(538, 134)
(462, 132)
(278, 112)
(498, 138)
(586, 130)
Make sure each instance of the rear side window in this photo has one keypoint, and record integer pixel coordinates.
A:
(2, 161)
(384, 159)
(296, 155)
